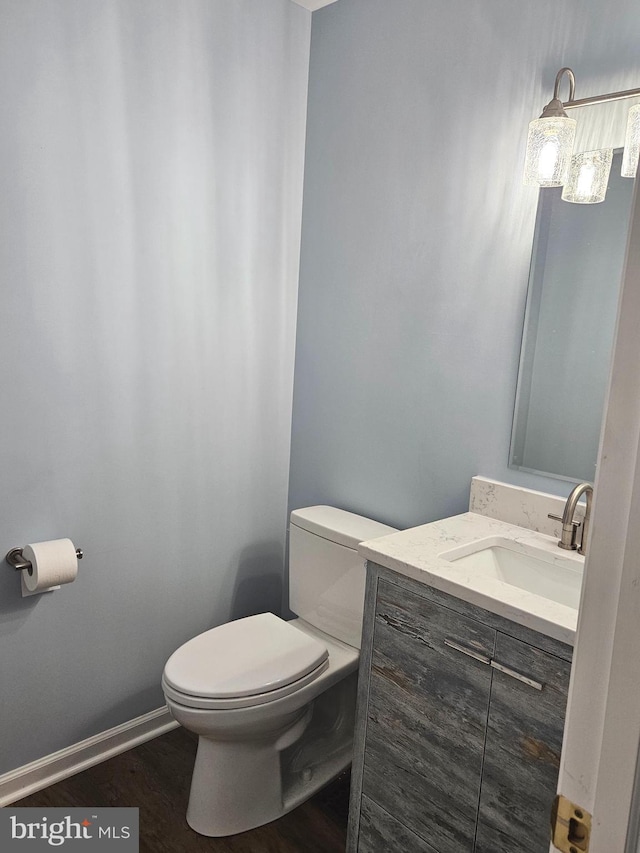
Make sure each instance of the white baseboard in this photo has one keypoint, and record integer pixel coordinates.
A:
(59, 765)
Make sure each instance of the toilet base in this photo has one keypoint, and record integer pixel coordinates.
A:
(240, 785)
(234, 787)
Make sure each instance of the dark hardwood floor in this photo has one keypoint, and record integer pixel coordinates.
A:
(156, 776)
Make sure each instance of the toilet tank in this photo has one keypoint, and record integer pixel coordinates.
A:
(326, 573)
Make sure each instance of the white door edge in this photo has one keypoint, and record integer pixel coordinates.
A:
(602, 729)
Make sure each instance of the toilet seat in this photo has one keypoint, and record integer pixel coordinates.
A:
(205, 704)
(247, 662)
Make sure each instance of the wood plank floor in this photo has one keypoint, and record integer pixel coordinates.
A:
(156, 776)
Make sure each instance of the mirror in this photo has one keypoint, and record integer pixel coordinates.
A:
(574, 281)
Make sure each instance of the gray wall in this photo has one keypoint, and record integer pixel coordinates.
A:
(417, 237)
(151, 162)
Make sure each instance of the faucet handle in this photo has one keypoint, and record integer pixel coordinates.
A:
(576, 524)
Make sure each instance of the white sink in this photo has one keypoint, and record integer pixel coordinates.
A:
(555, 576)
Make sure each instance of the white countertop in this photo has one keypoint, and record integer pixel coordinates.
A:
(416, 552)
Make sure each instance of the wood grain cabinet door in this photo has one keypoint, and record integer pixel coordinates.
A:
(522, 753)
(381, 833)
(427, 718)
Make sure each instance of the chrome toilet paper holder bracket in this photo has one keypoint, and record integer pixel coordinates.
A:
(17, 561)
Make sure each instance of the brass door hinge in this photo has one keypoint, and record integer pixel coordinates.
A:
(570, 826)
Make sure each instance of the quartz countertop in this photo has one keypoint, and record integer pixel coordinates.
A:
(416, 552)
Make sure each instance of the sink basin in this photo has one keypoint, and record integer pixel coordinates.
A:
(553, 576)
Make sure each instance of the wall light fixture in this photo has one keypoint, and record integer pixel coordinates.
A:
(588, 177)
(549, 160)
(550, 140)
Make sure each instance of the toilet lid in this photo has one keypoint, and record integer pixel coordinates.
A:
(243, 658)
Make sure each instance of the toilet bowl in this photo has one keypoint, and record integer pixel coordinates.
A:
(273, 701)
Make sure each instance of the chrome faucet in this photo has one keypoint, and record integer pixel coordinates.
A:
(570, 526)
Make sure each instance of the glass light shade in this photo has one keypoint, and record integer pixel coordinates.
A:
(631, 144)
(549, 148)
(588, 177)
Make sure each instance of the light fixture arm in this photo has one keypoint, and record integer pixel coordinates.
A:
(585, 102)
(572, 83)
(602, 99)
(555, 107)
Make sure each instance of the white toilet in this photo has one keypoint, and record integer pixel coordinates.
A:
(272, 701)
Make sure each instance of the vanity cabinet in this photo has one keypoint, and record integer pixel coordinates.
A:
(459, 729)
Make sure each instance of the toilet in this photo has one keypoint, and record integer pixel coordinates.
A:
(273, 701)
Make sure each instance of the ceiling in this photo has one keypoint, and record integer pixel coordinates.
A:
(313, 4)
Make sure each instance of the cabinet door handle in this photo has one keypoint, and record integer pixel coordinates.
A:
(472, 653)
(514, 674)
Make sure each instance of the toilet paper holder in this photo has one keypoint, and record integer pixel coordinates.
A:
(17, 561)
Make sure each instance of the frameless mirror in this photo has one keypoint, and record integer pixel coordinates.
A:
(574, 282)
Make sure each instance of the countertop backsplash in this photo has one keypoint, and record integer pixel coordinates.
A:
(520, 506)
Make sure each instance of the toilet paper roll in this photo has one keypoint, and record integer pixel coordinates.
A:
(53, 563)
